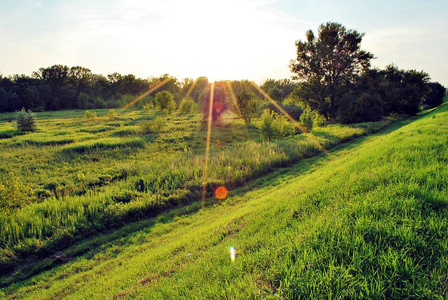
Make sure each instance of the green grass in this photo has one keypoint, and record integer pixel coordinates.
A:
(89, 175)
(368, 222)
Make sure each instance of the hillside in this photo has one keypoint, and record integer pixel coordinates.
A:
(368, 221)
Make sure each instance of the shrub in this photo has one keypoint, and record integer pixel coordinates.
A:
(111, 115)
(188, 106)
(26, 120)
(275, 125)
(267, 128)
(319, 120)
(13, 193)
(83, 100)
(99, 102)
(90, 114)
(363, 108)
(283, 126)
(307, 118)
(148, 107)
(435, 96)
(153, 126)
(165, 101)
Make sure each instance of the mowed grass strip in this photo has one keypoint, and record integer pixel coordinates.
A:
(370, 223)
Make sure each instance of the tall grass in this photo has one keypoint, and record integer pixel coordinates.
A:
(369, 223)
(130, 191)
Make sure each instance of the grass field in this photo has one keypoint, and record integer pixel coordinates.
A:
(77, 176)
(369, 221)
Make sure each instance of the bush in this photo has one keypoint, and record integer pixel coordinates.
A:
(83, 100)
(356, 109)
(435, 96)
(148, 107)
(275, 125)
(90, 114)
(267, 128)
(153, 126)
(99, 102)
(165, 101)
(283, 126)
(307, 118)
(13, 193)
(188, 106)
(111, 115)
(26, 120)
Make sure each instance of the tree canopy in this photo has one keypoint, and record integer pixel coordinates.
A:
(328, 62)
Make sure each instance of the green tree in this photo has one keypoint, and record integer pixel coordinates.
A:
(307, 117)
(327, 64)
(188, 106)
(83, 100)
(26, 120)
(248, 105)
(435, 96)
(165, 101)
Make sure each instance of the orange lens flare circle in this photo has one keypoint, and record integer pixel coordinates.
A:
(221, 193)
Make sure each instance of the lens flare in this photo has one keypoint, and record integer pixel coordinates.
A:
(298, 125)
(221, 193)
(232, 254)
(152, 89)
(207, 145)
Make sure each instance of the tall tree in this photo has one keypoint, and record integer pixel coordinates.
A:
(327, 64)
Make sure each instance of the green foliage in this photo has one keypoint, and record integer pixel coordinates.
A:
(153, 126)
(26, 120)
(247, 105)
(307, 118)
(148, 107)
(274, 125)
(188, 106)
(90, 115)
(99, 102)
(165, 101)
(319, 120)
(371, 222)
(83, 100)
(364, 108)
(319, 63)
(111, 114)
(83, 179)
(267, 126)
(13, 193)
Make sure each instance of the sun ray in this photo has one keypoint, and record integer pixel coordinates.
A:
(301, 128)
(152, 89)
(207, 145)
(232, 94)
(190, 89)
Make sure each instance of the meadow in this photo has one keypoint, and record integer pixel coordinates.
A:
(78, 176)
(369, 221)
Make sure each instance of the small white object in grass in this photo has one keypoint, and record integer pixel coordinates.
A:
(188, 255)
(232, 253)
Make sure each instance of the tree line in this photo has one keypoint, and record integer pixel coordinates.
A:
(332, 80)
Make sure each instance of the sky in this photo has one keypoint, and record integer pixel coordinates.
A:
(220, 39)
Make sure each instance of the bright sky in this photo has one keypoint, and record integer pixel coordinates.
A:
(220, 39)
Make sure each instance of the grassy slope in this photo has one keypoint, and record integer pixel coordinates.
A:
(103, 173)
(371, 222)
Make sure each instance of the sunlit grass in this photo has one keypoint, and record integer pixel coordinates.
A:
(370, 223)
(99, 178)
